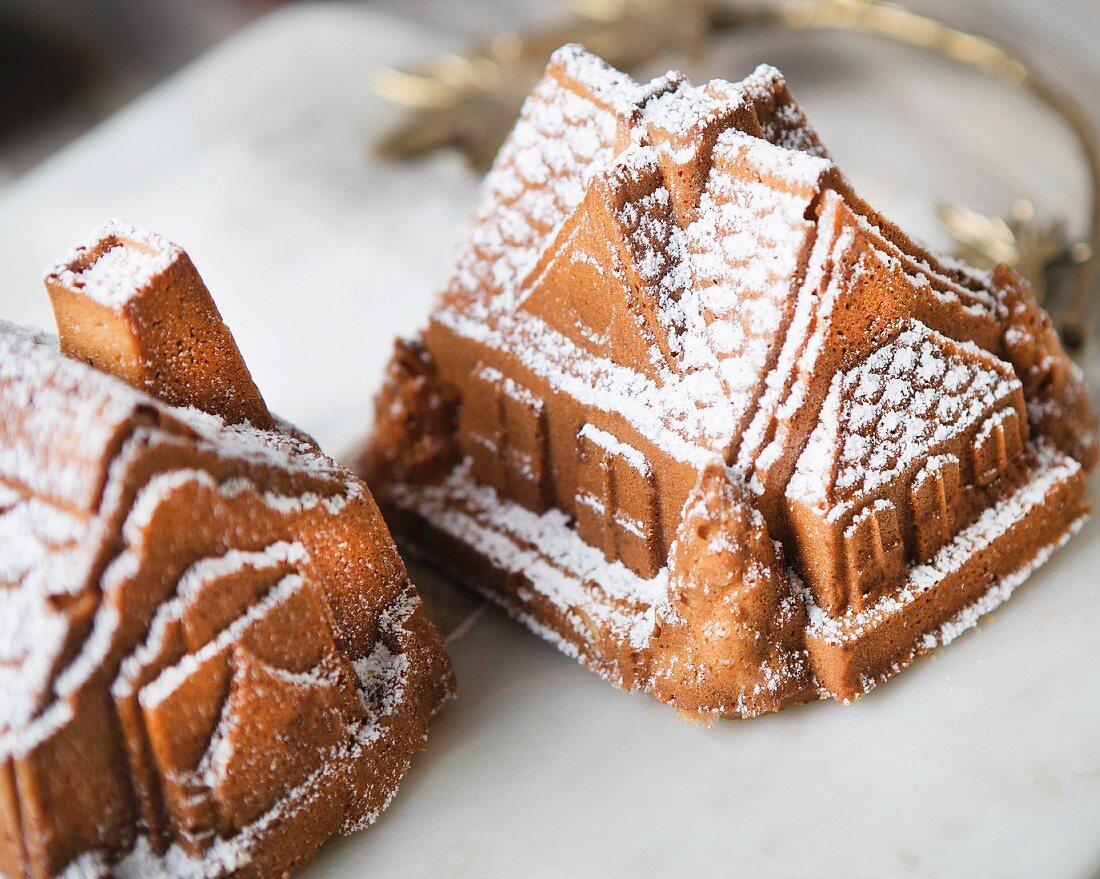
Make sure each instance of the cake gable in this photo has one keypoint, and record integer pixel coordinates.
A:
(689, 249)
(899, 436)
(602, 281)
(577, 118)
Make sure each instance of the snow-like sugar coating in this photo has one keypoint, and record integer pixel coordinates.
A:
(994, 523)
(734, 282)
(685, 267)
(191, 584)
(114, 264)
(113, 617)
(383, 688)
(721, 284)
(73, 409)
(787, 125)
(546, 550)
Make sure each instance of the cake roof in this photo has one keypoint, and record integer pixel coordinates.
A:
(60, 448)
(694, 211)
(577, 121)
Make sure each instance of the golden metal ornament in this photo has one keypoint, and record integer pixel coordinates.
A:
(470, 101)
(1022, 241)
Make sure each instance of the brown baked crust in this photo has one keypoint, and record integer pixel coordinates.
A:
(217, 658)
(726, 434)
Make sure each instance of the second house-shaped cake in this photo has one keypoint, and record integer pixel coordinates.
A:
(211, 655)
(691, 409)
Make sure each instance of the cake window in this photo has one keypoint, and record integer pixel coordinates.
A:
(504, 434)
(874, 553)
(996, 446)
(616, 500)
(934, 499)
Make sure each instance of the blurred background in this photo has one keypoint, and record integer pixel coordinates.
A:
(66, 64)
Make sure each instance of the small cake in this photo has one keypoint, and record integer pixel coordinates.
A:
(694, 412)
(211, 656)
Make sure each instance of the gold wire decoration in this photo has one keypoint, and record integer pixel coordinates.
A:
(470, 101)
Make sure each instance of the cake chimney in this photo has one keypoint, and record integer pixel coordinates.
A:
(684, 125)
(131, 304)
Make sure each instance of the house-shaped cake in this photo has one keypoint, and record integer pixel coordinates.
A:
(211, 656)
(692, 410)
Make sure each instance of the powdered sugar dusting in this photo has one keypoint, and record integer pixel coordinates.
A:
(65, 448)
(114, 272)
(61, 415)
(689, 261)
(785, 124)
(613, 446)
(383, 688)
(720, 283)
(540, 175)
(194, 580)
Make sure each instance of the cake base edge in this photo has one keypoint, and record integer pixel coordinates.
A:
(845, 663)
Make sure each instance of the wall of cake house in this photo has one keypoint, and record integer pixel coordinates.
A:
(67, 794)
(542, 449)
(11, 831)
(853, 554)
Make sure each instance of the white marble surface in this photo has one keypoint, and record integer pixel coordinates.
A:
(981, 761)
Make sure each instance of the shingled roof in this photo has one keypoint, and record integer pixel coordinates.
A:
(727, 235)
(900, 406)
